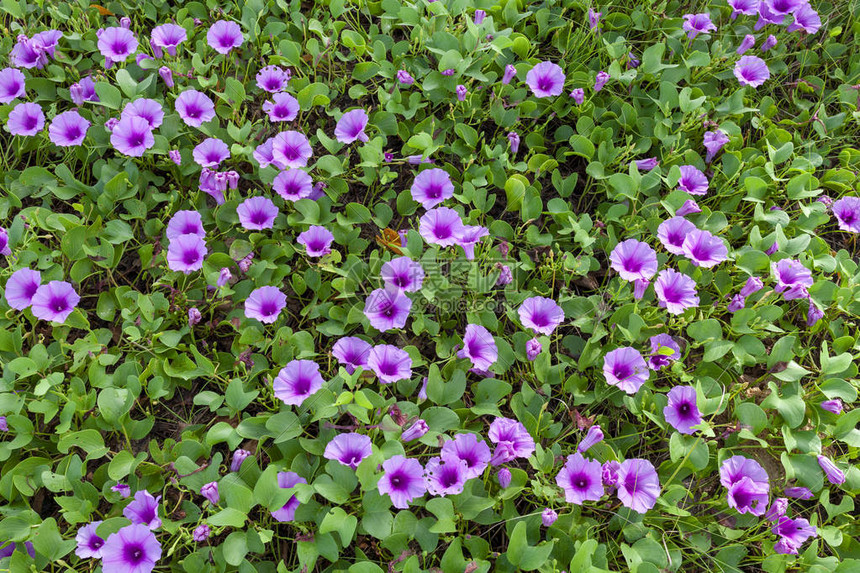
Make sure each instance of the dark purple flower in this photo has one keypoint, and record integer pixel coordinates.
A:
(510, 73)
(798, 493)
(646, 164)
(793, 533)
(211, 152)
(167, 37)
(11, 85)
(542, 315)
(833, 473)
(675, 291)
(21, 287)
(833, 406)
(512, 440)
(624, 367)
(404, 78)
(257, 213)
(664, 351)
(89, 543)
(441, 226)
(533, 349)
(201, 533)
(403, 273)
(594, 436)
(185, 223)
(769, 43)
(210, 492)
(26, 119)
(471, 235)
(143, 510)
(224, 35)
(291, 149)
(239, 456)
(634, 260)
(714, 142)
(581, 479)
(704, 249)
(348, 449)
(692, 180)
(747, 43)
(287, 480)
(68, 128)
(638, 485)
(132, 549)
(672, 233)
(389, 363)
(791, 277)
(297, 381)
(350, 127)
(847, 213)
(695, 24)
(351, 352)
(403, 480)
(265, 304)
(194, 316)
(689, 207)
(479, 347)
(469, 449)
(186, 253)
(747, 484)
(600, 80)
(317, 240)
(116, 45)
(682, 413)
(282, 107)
(751, 71)
(272, 79)
(748, 7)
(545, 79)
(132, 136)
(54, 301)
(415, 431)
(293, 184)
(194, 107)
(431, 187)
(445, 477)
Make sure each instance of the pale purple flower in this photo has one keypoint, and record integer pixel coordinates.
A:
(415, 431)
(116, 45)
(747, 483)
(201, 533)
(389, 363)
(26, 119)
(431, 187)
(792, 278)
(470, 449)
(506, 275)
(462, 92)
(847, 213)
(441, 226)
(194, 107)
(634, 260)
(210, 152)
(592, 437)
(600, 80)
(514, 140)
(548, 517)
(89, 543)
(143, 509)
(351, 352)
(348, 449)
(185, 253)
(27, 54)
(54, 301)
(753, 285)
(224, 35)
(545, 79)
(581, 479)
(21, 287)
(132, 549)
(11, 85)
(593, 19)
(272, 79)
(542, 315)
(471, 235)
(293, 184)
(210, 492)
(387, 308)
(185, 223)
(68, 128)
(239, 456)
(672, 233)
(297, 381)
(690, 207)
(638, 485)
(695, 24)
(84, 90)
(692, 180)
(769, 43)
(793, 533)
(510, 73)
(745, 45)
(798, 493)
(122, 489)
(578, 95)
(512, 440)
(257, 213)
(533, 349)
(194, 316)
(714, 142)
(682, 413)
(813, 313)
(291, 149)
(766, 16)
(751, 71)
(445, 477)
(350, 127)
(479, 17)
(777, 509)
(504, 477)
(403, 273)
(664, 351)
(403, 480)
(317, 240)
(404, 78)
(626, 368)
(833, 406)
(833, 473)
(646, 164)
(675, 291)
(265, 304)
(282, 107)
(806, 19)
(704, 249)
(479, 347)
(287, 480)
(167, 37)
(747, 7)
(132, 136)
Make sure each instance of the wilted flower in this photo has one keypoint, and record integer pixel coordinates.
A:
(675, 291)
(639, 288)
(798, 493)
(431, 187)
(506, 275)
(738, 302)
(594, 19)
(514, 140)
(646, 164)
(833, 473)
(415, 431)
(753, 284)
(751, 71)
(634, 260)
(548, 517)
(265, 304)
(533, 349)
(132, 549)
(348, 449)
(224, 35)
(638, 485)
(512, 440)
(813, 313)
(200, 533)
(449, 72)
(714, 142)
(403, 480)
(175, 156)
(777, 509)
(297, 381)
(672, 233)
(504, 477)
(545, 79)
(600, 80)
(542, 315)
(578, 95)
(695, 24)
(287, 480)
(479, 17)
(624, 367)
(224, 276)
(404, 78)
(194, 316)
(581, 479)
(54, 301)
(389, 363)
(122, 489)
(692, 180)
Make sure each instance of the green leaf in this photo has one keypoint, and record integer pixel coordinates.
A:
(524, 556)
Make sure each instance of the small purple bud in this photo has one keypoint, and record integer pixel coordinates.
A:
(125, 22)
(448, 72)
(813, 313)
(224, 276)
(747, 43)
(514, 140)
(175, 156)
(156, 49)
(166, 75)
(422, 392)
(772, 249)
(689, 207)
(600, 80)
(578, 95)
(833, 406)
(418, 429)
(639, 288)
(210, 492)
(769, 43)
(833, 473)
(798, 493)
(461, 92)
(753, 284)
(594, 436)
(510, 72)
(232, 179)
(533, 349)
(738, 302)
(201, 533)
(504, 477)
(239, 456)
(404, 78)
(632, 61)
(77, 94)
(548, 517)
(826, 199)
(194, 316)
(403, 239)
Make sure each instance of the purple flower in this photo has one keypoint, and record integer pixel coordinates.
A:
(404, 78)
(747, 43)
(798, 493)
(418, 429)
(692, 180)
(418, 159)
(27, 54)
(593, 19)
(545, 79)
(471, 235)
(638, 485)
(751, 71)
(695, 24)
(297, 381)
(689, 207)
(833, 406)
(548, 517)
(224, 35)
(348, 449)
(514, 140)
(512, 440)
(753, 284)
(147, 109)
(239, 456)
(351, 352)
(767, 16)
(805, 18)
(634, 260)
(10, 549)
(747, 484)
(54, 301)
(89, 543)
(403, 480)
(533, 349)
(272, 79)
(672, 233)
(624, 367)
(26, 119)
(664, 350)
(541, 314)
(265, 304)
(639, 288)
(132, 549)
(506, 275)
(21, 287)
(186, 253)
(581, 479)
(116, 45)
(68, 128)
(123, 490)
(167, 37)
(287, 480)
(813, 313)
(389, 363)
(4, 242)
(682, 413)
(257, 213)
(210, 492)
(675, 291)
(704, 249)
(264, 153)
(772, 249)
(747, 7)
(201, 533)
(282, 107)
(317, 240)
(769, 43)
(479, 347)
(441, 226)
(461, 92)
(793, 533)
(791, 277)
(445, 477)
(738, 302)
(175, 156)
(293, 184)
(11, 85)
(469, 449)
(403, 273)
(594, 436)
(185, 223)
(291, 149)
(431, 187)
(194, 108)
(350, 127)
(847, 213)
(646, 164)
(784, 7)
(479, 17)
(84, 90)
(777, 509)
(132, 136)
(143, 510)
(210, 152)
(504, 477)
(600, 80)
(578, 95)
(194, 316)
(714, 142)
(510, 73)
(833, 473)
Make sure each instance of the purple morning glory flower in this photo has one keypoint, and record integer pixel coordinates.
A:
(132, 549)
(784, 7)
(479, 17)
(293, 184)
(647, 164)
(747, 484)
(767, 16)
(548, 517)
(272, 79)
(479, 347)
(11, 85)
(26, 55)
(461, 92)
(89, 543)
(10, 549)
(470, 236)
(431, 187)
(470, 449)
(600, 80)
(257, 213)
(747, 7)
(317, 240)
(387, 308)
(753, 285)
(54, 301)
(403, 480)
(146, 109)
(625, 367)
(594, 436)
(769, 43)
(833, 473)
(512, 440)
(675, 291)
(287, 480)
(282, 107)
(389, 363)
(791, 277)
(403, 273)
(682, 413)
(690, 207)
(634, 260)
(415, 431)
(167, 37)
(445, 477)
(201, 533)
(210, 492)
(847, 213)
(777, 509)
(799, 493)
(239, 456)
(122, 489)
(210, 152)
(350, 127)
(695, 24)
(704, 249)
(68, 128)
(351, 352)
(194, 316)
(638, 485)
(264, 154)
(793, 533)
(297, 381)
(533, 349)
(348, 449)
(664, 350)
(578, 95)
(21, 288)
(751, 71)
(441, 226)
(132, 136)
(542, 315)
(291, 149)
(639, 288)
(194, 107)
(672, 233)
(714, 142)
(747, 43)
(581, 479)
(833, 406)
(143, 510)
(116, 45)
(224, 35)
(692, 180)
(514, 140)
(806, 19)
(504, 477)
(510, 73)
(545, 79)
(593, 19)
(4, 242)
(404, 78)
(185, 223)
(185, 254)
(265, 304)
(83, 91)
(26, 119)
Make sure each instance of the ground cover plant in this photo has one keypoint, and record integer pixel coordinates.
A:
(446, 285)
